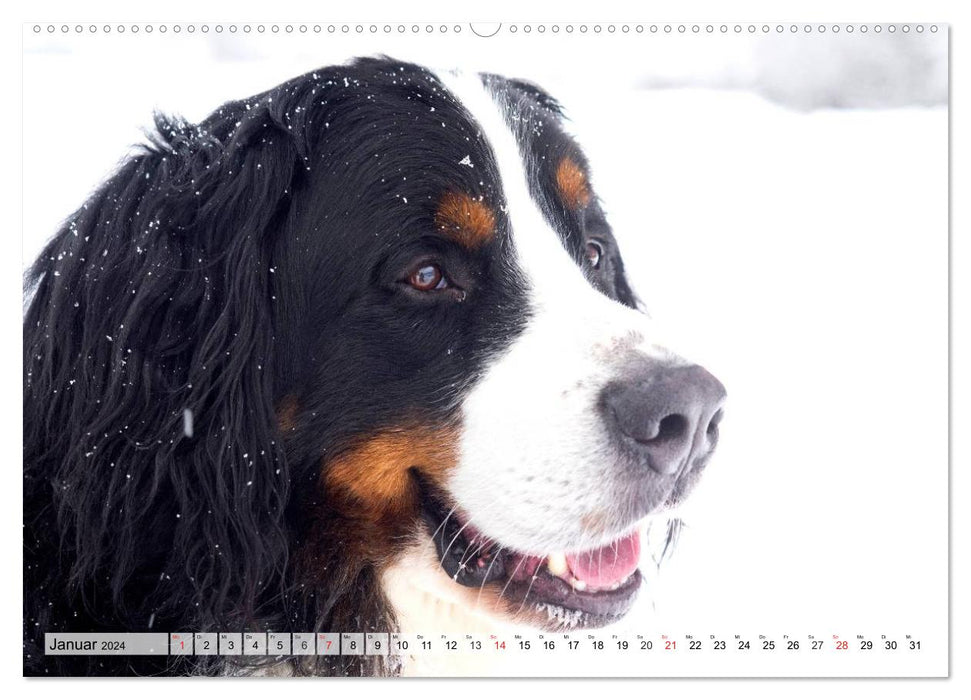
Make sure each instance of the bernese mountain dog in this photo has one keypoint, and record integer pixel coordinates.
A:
(354, 354)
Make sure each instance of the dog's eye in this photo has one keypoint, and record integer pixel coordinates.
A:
(593, 253)
(428, 278)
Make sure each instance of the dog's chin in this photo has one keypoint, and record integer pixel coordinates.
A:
(554, 591)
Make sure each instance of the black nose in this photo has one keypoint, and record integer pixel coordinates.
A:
(671, 413)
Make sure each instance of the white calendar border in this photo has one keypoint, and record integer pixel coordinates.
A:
(850, 10)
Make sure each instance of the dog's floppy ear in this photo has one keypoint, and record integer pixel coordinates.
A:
(148, 419)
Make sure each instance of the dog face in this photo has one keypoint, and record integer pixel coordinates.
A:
(472, 374)
(366, 331)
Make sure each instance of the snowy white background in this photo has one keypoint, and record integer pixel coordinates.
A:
(796, 247)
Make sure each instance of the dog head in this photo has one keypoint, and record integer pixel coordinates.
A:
(372, 318)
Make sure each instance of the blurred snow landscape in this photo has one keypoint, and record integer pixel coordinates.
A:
(782, 205)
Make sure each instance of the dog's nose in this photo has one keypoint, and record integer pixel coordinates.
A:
(671, 413)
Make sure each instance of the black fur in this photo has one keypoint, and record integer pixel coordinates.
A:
(229, 264)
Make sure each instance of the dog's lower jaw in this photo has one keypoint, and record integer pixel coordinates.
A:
(426, 601)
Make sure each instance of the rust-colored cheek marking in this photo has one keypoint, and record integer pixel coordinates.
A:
(571, 183)
(373, 473)
(286, 414)
(466, 220)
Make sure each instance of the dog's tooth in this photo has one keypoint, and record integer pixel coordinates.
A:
(557, 564)
(579, 585)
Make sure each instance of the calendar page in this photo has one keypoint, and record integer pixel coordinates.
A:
(553, 349)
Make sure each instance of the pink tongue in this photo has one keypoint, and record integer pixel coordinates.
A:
(609, 564)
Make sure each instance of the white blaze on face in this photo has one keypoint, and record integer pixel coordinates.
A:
(537, 471)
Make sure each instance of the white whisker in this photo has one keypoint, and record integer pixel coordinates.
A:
(445, 554)
(486, 577)
(511, 576)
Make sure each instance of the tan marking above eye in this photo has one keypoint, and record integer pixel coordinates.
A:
(465, 219)
(372, 474)
(572, 185)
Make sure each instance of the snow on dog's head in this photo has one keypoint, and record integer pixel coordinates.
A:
(392, 306)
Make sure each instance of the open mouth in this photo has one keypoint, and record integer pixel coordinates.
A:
(588, 588)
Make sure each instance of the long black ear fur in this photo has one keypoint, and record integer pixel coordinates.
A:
(155, 488)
